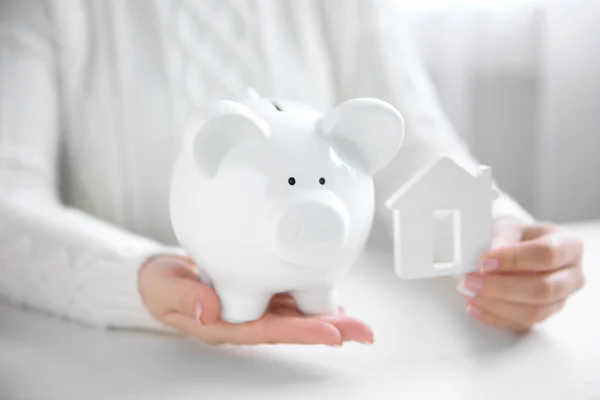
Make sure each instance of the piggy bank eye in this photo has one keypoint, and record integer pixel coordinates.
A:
(322, 181)
(277, 106)
(292, 181)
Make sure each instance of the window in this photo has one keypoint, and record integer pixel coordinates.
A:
(446, 238)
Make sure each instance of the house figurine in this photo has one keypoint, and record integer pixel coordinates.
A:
(442, 220)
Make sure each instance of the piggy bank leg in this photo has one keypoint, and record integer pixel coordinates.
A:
(238, 306)
(317, 301)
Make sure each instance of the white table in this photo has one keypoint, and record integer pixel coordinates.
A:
(426, 347)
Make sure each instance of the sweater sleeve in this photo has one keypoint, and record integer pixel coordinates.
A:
(372, 56)
(54, 258)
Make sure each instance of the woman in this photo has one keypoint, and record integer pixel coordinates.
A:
(93, 98)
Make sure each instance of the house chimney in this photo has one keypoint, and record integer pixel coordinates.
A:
(485, 172)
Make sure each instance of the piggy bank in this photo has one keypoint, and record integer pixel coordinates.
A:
(272, 196)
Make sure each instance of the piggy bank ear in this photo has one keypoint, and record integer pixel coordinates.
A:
(221, 129)
(367, 133)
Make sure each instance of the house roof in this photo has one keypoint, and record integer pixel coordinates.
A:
(443, 165)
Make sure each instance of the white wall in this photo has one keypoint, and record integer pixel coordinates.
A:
(521, 80)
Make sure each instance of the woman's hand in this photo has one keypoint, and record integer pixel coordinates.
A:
(526, 277)
(174, 295)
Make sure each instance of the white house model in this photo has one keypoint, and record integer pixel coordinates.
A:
(442, 220)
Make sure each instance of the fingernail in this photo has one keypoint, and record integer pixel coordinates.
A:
(473, 311)
(488, 265)
(198, 311)
(461, 288)
(335, 345)
(470, 285)
(369, 342)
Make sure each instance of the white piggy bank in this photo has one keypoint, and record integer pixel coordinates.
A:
(271, 196)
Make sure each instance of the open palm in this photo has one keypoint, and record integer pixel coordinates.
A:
(173, 294)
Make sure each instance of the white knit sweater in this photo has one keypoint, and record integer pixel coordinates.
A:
(93, 96)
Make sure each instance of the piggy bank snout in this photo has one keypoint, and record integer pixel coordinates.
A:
(311, 232)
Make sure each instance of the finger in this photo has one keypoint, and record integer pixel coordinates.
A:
(495, 321)
(545, 253)
(523, 314)
(279, 329)
(209, 334)
(506, 231)
(538, 230)
(351, 328)
(186, 296)
(285, 304)
(537, 289)
(187, 325)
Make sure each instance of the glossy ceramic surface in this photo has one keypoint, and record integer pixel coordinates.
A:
(271, 196)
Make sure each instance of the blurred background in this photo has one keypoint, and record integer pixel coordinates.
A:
(520, 80)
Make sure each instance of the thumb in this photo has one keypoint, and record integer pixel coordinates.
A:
(189, 297)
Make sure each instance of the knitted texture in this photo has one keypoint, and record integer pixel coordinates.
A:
(94, 95)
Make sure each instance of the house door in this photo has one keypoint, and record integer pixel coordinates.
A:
(446, 239)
